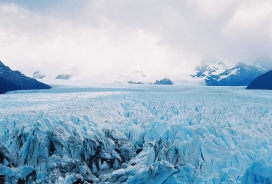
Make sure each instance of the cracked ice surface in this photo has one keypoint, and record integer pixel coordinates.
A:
(185, 135)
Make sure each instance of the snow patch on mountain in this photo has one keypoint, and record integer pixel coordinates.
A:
(218, 74)
(235, 71)
(207, 68)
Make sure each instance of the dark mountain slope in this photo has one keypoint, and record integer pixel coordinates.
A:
(262, 82)
(14, 80)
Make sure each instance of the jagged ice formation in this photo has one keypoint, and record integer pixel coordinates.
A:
(189, 135)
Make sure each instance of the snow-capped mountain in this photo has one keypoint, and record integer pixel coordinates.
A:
(220, 75)
(262, 82)
(14, 80)
(211, 68)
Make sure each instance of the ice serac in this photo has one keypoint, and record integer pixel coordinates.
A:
(198, 135)
(258, 173)
(262, 82)
(14, 80)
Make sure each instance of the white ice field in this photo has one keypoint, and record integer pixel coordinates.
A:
(135, 135)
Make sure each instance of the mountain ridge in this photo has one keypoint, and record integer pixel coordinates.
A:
(219, 75)
(11, 80)
(263, 81)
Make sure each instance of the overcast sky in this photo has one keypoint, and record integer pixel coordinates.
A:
(157, 37)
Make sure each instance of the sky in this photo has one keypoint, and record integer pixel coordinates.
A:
(151, 37)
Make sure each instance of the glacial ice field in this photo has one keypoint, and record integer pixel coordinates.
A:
(160, 135)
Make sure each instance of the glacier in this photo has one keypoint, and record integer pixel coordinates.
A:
(162, 134)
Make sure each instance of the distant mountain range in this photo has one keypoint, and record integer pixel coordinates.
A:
(164, 81)
(64, 76)
(262, 82)
(14, 80)
(217, 74)
(38, 75)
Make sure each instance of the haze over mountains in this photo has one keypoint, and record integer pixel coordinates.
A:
(127, 103)
(212, 73)
(218, 74)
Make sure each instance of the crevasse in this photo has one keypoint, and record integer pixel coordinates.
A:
(190, 135)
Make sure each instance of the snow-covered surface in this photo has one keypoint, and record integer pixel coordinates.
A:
(209, 68)
(235, 71)
(156, 135)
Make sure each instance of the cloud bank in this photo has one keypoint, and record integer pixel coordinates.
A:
(159, 37)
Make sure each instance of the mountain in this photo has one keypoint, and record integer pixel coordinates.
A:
(164, 81)
(211, 68)
(262, 82)
(219, 75)
(14, 80)
(64, 76)
(38, 75)
(134, 82)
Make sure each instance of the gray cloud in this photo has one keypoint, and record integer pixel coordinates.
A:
(158, 37)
